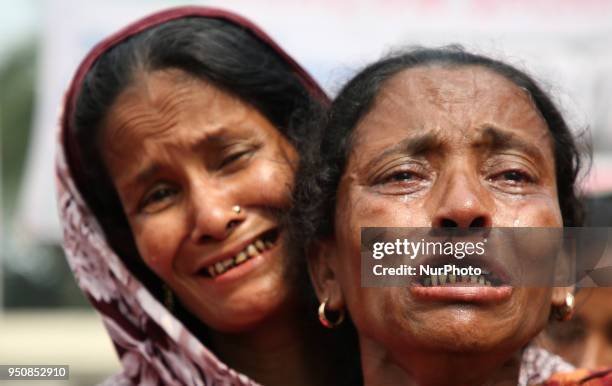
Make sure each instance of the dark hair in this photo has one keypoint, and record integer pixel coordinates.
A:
(222, 53)
(321, 170)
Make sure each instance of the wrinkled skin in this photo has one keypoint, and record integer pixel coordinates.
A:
(181, 154)
(457, 146)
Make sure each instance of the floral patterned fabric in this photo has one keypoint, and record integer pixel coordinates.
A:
(538, 365)
(153, 346)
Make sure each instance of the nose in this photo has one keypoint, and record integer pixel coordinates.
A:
(214, 216)
(462, 204)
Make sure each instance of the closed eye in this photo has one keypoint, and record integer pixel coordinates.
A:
(234, 157)
(158, 199)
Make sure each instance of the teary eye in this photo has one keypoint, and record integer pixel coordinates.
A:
(402, 179)
(514, 177)
(402, 176)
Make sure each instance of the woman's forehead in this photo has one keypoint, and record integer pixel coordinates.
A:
(162, 102)
(450, 83)
(452, 102)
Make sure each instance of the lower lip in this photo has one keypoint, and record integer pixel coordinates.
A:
(463, 293)
(240, 271)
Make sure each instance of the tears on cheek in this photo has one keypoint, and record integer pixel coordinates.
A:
(535, 211)
(360, 207)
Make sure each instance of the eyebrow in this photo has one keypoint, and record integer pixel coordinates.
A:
(497, 139)
(493, 138)
(214, 138)
(415, 145)
(145, 174)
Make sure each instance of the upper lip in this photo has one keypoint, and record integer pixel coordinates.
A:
(230, 251)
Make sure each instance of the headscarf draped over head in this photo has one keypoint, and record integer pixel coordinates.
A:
(153, 345)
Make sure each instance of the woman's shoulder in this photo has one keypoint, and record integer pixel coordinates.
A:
(582, 377)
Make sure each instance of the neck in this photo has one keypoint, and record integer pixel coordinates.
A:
(381, 367)
(283, 350)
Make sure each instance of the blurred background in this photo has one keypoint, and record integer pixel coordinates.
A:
(44, 319)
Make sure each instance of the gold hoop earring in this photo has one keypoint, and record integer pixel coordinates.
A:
(237, 209)
(168, 298)
(323, 318)
(566, 311)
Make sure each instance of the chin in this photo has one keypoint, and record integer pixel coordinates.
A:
(465, 330)
(245, 310)
(233, 320)
(466, 342)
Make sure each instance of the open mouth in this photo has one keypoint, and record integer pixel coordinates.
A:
(461, 277)
(261, 244)
(476, 280)
(464, 273)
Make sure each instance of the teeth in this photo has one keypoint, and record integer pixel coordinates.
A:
(439, 280)
(442, 279)
(252, 251)
(242, 256)
(219, 267)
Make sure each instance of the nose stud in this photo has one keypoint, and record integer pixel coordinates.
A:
(236, 209)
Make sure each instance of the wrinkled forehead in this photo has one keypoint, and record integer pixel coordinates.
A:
(444, 86)
(159, 104)
(455, 102)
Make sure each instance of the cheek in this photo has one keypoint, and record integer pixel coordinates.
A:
(534, 211)
(158, 237)
(358, 208)
(267, 183)
(354, 211)
(534, 308)
(367, 209)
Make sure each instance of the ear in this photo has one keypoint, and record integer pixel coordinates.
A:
(323, 270)
(565, 267)
(565, 272)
